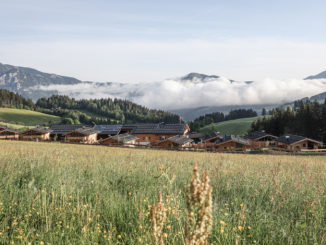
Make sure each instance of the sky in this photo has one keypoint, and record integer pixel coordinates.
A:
(144, 41)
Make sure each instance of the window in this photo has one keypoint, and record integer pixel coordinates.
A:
(304, 145)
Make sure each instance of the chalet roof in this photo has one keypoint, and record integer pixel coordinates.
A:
(2, 126)
(211, 136)
(84, 131)
(122, 138)
(64, 128)
(196, 135)
(108, 129)
(157, 128)
(258, 135)
(9, 130)
(233, 138)
(179, 139)
(39, 129)
(290, 139)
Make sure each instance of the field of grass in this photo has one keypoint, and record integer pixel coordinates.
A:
(236, 127)
(20, 117)
(78, 194)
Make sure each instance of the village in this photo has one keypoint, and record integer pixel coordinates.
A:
(162, 136)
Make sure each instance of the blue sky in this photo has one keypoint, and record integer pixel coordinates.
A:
(141, 40)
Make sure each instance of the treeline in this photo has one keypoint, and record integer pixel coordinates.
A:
(216, 117)
(305, 118)
(13, 100)
(102, 111)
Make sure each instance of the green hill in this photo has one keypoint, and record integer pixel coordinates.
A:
(20, 117)
(236, 127)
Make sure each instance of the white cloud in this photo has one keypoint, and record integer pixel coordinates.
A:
(179, 94)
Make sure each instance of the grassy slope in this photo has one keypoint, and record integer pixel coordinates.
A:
(77, 194)
(17, 117)
(237, 127)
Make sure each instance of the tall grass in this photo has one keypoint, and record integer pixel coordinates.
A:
(75, 194)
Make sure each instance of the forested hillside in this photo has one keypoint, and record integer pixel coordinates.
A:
(102, 111)
(11, 99)
(305, 118)
(217, 117)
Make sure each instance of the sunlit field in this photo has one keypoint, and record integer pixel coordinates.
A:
(76, 194)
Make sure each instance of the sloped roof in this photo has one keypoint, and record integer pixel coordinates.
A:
(258, 135)
(211, 136)
(10, 130)
(179, 139)
(122, 138)
(156, 128)
(65, 128)
(84, 131)
(196, 135)
(108, 129)
(39, 129)
(290, 139)
(232, 138)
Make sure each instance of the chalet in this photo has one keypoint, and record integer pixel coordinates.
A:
(296, 142)
(9, 133)
(59, 130)
(196, 137)
(260, 139)
(157, 132)
(38, 133)
(3, 127)
(105, 131)
(231, 143)
(178, 141)
(81, 135)
(120, 139)
(211, 138)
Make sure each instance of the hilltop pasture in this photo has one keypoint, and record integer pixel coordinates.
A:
(79, 194)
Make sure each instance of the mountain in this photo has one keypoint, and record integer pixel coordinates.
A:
(25, 80)
(318, 76)
(198, 76)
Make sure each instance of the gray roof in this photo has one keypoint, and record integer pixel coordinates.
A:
(84, 131)
(108, 129)
(123, 137)
(180, 140)
(232, 138)
(290, 139)
(9, 129)
(196, 135)
(64, 128)
(39, 129)
(211, 136)
(258, 135)
(157, 128)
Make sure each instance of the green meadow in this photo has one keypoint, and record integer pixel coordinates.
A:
(53, 193)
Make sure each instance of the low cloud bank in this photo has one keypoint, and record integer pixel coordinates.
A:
(179, 94)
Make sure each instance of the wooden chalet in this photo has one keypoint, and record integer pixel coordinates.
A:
(36, 134)
(156, 132)
(81, 135)
(260, 139)
(59, 130)
(211, 138)
(120, 139)
(2, 127)
(9, 133)
(296, 143)
(196, 137)
(178, 141)
(105, 131)
(231, 143)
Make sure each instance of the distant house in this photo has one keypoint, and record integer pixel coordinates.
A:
(211, 138)
(36, 134)
(120, 139)
(155, 132)
(296, 142)
(196, 137)
(177, 141)
(105, 131)
(9, 133)
(59, 130)
(260, 139)
(231, 143)
(2, 127)
(81, 135)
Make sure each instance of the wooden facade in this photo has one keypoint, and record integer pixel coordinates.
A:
(175, 142)
(306, 144)
(231, 146)
(81, 135)
(36, 134)
(8, 133)
(121, 139)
